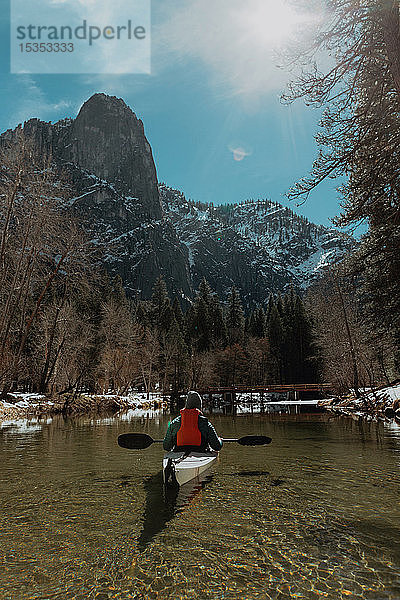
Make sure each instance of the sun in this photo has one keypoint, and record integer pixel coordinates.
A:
(269, 23)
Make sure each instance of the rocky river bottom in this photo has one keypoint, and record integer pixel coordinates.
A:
(316, 514)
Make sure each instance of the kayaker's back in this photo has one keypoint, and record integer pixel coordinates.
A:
(191, 429)
(209, 437)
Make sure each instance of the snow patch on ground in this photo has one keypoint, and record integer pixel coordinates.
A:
(387, 394)
(383, 403)
(24, 400)
(24, 405)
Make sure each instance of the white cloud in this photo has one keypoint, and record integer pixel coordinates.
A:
(31, 102)
(96, 49)
(114, 85)
(237, 41)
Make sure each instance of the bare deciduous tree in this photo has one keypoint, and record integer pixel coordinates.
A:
(42, 249)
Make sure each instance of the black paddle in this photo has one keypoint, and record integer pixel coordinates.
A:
(140, 441)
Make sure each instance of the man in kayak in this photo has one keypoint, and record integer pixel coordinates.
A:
(191, 430)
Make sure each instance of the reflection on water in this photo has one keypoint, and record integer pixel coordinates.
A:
(163, 503)
(250, 473)
(314, 515)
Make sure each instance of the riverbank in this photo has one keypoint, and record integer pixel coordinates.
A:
(383, 403)
(378, 404)
(24, 406)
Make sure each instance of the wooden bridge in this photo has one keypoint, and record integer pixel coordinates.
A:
(227, 396)
(295, 393)
(267, 389)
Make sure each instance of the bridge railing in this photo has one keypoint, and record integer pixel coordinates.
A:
(295, 387)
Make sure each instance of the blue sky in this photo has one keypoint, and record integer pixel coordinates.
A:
(213, 96)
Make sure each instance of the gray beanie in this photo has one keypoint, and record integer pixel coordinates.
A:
(193, 400)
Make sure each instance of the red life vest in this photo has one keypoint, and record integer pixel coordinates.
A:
(189, 433)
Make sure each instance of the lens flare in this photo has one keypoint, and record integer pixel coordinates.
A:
(239, 153)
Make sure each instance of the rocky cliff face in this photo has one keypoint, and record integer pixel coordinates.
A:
(107, 139)
(106, 155)
(258, 246)
(150, 230)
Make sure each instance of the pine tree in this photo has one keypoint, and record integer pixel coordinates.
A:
(270, 305)
(250, 325)
(235, 318)
(290, 348)
(189, 326)
(176, 307)
(307, 366)
(289, 301)
(162, 313)
(279, 305)
(203, 325)
(247, 326)
(275, 337)
(143, 313)
(205, 292)
(199, 319)
(257, 322)
(298, 350)
(219, 331)
(160, 295)
(173, 359)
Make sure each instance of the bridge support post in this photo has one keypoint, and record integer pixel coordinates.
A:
(210, 403)
(229, 403)
(176, 402)
(226, 398)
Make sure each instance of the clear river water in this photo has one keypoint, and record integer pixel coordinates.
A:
(316, 514)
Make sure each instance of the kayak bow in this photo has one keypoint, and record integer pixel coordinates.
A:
(181, 467)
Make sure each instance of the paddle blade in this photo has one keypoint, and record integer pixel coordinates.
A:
(135, 441)
(254, 440)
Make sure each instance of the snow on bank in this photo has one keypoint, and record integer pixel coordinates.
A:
(376, 404)
(389, 395)
(22, 400)
(24, 405)
(20, 405)
(134, 398)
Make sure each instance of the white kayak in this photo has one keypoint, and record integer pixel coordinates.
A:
(180, 467)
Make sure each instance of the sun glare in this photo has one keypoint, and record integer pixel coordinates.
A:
(270, 23)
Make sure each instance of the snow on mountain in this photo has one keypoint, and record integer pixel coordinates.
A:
(258, 246)
(146, 230)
